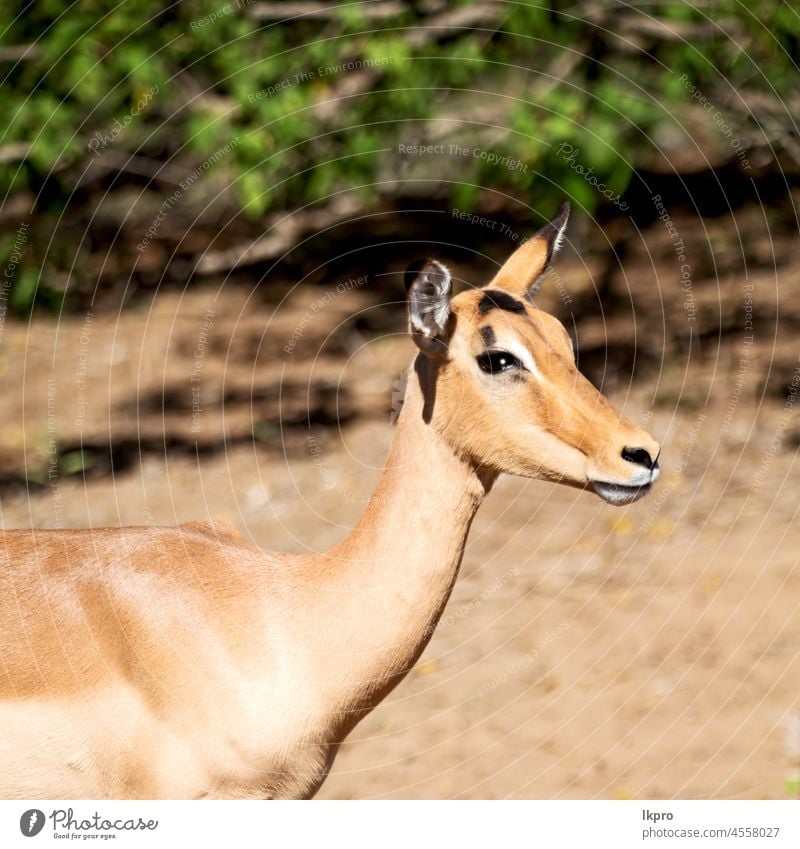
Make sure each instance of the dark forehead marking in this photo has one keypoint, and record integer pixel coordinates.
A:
(496, 299)
(487, 334)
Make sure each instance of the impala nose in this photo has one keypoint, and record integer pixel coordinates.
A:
(638, 456)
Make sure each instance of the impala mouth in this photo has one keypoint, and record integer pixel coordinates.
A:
(619, 494)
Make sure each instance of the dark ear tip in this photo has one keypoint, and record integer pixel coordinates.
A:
(553, 226)
(413, 270)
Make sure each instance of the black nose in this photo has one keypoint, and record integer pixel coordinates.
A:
(638, 456)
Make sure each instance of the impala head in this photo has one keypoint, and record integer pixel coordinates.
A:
(499, 380)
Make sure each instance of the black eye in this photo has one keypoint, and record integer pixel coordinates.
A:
(494, 362)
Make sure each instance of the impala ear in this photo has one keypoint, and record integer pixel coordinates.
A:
(522, 272)
(429, 287)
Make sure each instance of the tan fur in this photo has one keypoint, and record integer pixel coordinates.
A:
(182, 662)
(522, 268)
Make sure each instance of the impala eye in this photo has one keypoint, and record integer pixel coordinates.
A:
(494, 362)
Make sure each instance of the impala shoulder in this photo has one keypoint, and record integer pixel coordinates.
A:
(216, 527)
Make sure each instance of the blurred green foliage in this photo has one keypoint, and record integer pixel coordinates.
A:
(184, 81)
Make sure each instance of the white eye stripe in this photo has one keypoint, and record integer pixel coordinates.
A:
(522, 354)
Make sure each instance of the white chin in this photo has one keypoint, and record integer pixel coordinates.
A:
(618, 494)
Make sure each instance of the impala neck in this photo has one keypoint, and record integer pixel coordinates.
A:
(395, 570)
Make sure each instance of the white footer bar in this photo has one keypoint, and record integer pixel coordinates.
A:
(404, 825)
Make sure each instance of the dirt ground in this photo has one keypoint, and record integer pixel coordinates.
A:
(587, 652)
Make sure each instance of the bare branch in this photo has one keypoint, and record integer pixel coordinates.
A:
(129, 163)
(283, 233)
(20, 52)
(14, 152)
(379, 11)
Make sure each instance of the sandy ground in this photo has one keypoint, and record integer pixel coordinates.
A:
(587, 651)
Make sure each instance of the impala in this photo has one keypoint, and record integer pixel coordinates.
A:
(183, 662)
